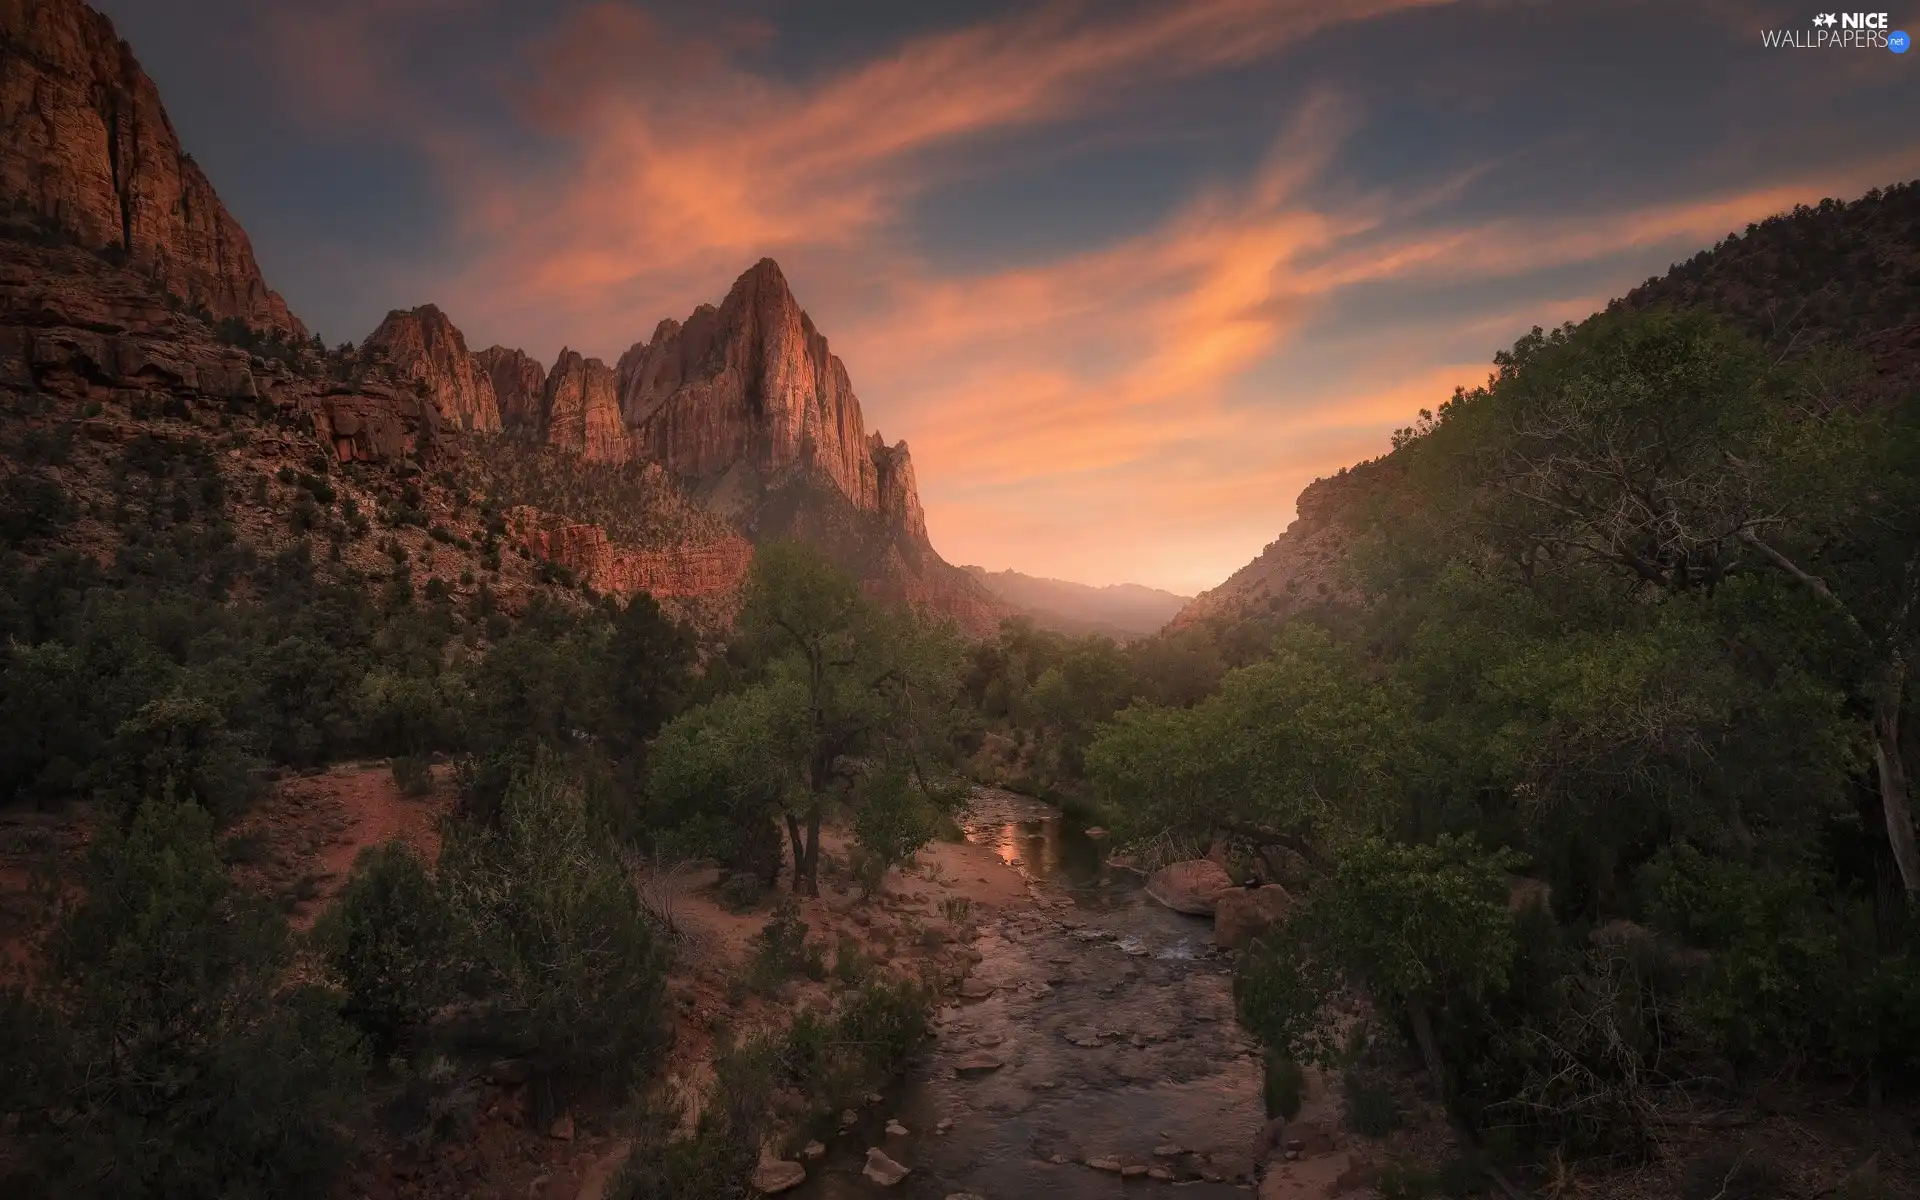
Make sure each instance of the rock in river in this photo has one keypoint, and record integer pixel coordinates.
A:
(883, 1170)
(1243, 914)
(1192, 887)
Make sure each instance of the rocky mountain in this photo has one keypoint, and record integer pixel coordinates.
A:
(424, 345)
(129, 291)
(519, 387)
(580, 412)
(86, 149)
(1122, 611)
(1837, 273)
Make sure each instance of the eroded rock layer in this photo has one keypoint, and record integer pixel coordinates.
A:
(424, 345)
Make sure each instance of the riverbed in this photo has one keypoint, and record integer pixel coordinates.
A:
(1122, 1068)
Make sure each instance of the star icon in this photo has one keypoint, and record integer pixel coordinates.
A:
(1826, 19)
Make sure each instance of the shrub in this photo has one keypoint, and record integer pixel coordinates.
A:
(1283, 1086)
(413, 773)
(571, 964)
(390, 938)
(177, 1071)
(780, 951)
(181, 743)
(716, 1162)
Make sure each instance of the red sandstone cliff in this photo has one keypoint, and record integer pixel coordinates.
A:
(519, 387)
(423, 344)
(582, 414)
(86, 146)
(753, 382)
(688, 570)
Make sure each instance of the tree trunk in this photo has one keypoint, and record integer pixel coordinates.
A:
(799, 854)
(813, 853)
(1891, 766)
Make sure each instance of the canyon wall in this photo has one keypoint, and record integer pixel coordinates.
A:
(86, 148)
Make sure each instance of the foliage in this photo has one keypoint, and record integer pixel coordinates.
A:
(567, 957)
(173, 1064)
(390, 938)
(835, 679)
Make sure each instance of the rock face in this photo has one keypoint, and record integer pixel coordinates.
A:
(1192, 887)
(76, 327)
(519, 387)
(1243, 914)
(1305, 565)
(752, 382)
(86, 146)
(687, 569)
(582, 411)
(424, 345)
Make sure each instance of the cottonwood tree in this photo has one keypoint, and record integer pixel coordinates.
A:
(846, 689)
(1667, 448)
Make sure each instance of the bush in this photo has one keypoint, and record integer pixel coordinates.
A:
(172, 1068)
(780, 951)
(390, 938)
(1283, 1086)
(717, 1161)
(413, 774)
(572, 968)
(181, 745)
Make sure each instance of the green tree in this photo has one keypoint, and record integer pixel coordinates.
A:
(178, 1067)
(391, 939)
(850, 681)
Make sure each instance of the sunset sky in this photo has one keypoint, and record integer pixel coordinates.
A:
(1126, 276)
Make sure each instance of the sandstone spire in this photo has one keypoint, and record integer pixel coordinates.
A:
(754, 382)
(582, 413)
(519, 387)
(425, 345)
(86, 146)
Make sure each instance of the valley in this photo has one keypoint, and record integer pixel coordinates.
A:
(428, 770)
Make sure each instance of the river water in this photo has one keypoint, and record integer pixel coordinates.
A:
(1113, 1017)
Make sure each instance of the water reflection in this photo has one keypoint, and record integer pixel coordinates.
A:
(1056, 850)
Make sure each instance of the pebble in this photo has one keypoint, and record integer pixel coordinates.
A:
(1104, 1164)
(896, 1129)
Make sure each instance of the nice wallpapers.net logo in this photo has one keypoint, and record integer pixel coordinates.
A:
(1840, 31)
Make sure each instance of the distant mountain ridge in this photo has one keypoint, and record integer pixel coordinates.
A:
(1120, 610)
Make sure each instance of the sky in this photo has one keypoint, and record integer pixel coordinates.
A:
(1125, 274)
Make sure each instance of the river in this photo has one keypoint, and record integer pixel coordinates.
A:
(1113, 1017)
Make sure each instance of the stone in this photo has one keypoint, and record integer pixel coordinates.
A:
(1193, 886)
(813, 1151)
(943, 1125)
(693, 566)
(562, 1127)
(980, 1062)
(896, 1129)
(883, 1170)
(1243, 914)
(1168, 1150)
(964, 1196)
(974, 989)
(777, 1175)
(1133, 1170)
(1104, 1164)
(1159, 1173)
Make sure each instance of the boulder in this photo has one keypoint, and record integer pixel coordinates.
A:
(1243, 914)
(980, 1062)
(1191, 887)
(883, 1170)
(777, 1175)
